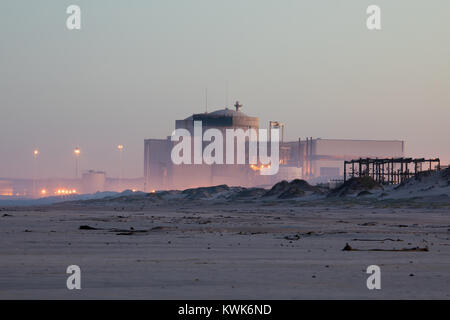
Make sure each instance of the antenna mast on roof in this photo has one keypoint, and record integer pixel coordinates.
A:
(226, 94)
(238, 106)
(206, 100)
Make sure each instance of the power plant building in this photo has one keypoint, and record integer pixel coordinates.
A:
(315, 160)
(93, 181)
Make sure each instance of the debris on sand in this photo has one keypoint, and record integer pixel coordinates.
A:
(415, 249)
(86, 227)
(367, 224)
(378, 240)
(126, 232)
(129, 232)
(298, 236)
(347, 247)
(293, 189)
(294, 237)
(132, 231)
(160, 228)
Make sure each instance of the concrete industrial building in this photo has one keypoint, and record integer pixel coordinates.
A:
(93, 181)
(315, 160)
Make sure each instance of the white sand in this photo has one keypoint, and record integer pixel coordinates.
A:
(225, 251)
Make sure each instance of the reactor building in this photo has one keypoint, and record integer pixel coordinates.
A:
(315, 160)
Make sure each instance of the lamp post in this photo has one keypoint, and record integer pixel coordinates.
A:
(35, 156)
(120, 148)
(77, 152)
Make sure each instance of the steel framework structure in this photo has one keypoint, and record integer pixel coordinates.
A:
(389, 170)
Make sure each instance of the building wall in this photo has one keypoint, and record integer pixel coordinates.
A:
(331, 153)
(157, 164)
(299, 159)
(6, 188)
(160, 173)
(359, 148)
(93, 181)
(323, 157)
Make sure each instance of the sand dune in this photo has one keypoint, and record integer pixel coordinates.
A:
(290, 242)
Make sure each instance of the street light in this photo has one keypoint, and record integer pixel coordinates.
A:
(77, 152)
(120, 148)
(35, 155)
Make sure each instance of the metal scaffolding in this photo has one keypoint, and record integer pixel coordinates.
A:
(389, 170)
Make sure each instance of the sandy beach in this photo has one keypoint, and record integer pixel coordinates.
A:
(226, 250)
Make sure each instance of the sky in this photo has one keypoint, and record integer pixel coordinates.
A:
(136, 66)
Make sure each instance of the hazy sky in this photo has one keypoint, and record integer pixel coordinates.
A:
(136, 66)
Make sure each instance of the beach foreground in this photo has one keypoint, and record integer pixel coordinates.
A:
(226, 250)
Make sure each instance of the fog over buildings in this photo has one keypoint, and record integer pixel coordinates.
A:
(315, 160)
(135, 68)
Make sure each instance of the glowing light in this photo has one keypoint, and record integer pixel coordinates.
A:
(43, 192)
(153, 191)
(65, 191)
(35, 152)
(120, 147)
(77, 151)
(258, 168)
